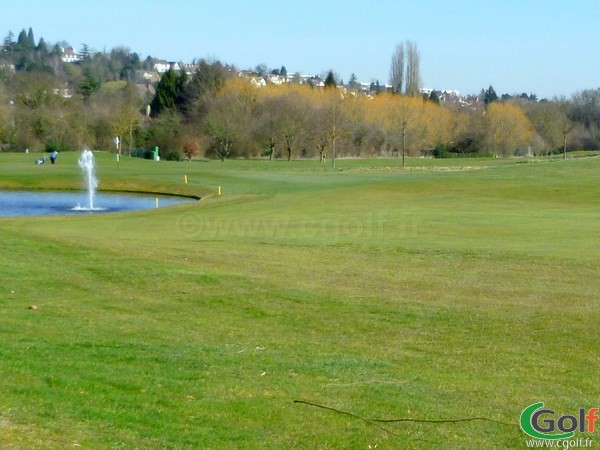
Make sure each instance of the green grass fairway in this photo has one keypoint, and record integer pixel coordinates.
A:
(447, 290)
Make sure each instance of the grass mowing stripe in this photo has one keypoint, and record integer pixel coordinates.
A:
(438, 291)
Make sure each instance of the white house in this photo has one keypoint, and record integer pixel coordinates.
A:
(5, 65)
(69, 55)
(276, 79)
(190, 69)
(161, 66)
(258, 81)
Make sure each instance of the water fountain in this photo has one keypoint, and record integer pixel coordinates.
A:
(44, 203)
(87, 164)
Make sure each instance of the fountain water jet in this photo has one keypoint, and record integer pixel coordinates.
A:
(88, 167)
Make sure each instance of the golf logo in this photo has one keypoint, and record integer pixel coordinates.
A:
(541, 423)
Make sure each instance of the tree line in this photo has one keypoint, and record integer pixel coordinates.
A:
(50, 105)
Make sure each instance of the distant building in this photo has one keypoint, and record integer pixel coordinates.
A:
(316, 82)
(146, 76)
(69, 55)
(452, 92)
(190, 69)
(276, 79)
(254, 79)
(64, 93)
(258, 81)
(365, 88)
(161, 66)
(6, 66)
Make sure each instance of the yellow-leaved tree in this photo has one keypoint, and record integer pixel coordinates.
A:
(507, 128)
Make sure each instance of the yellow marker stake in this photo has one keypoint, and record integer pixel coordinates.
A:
(219, 190)
(185, 178)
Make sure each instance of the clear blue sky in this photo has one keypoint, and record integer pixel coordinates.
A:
(550, 47)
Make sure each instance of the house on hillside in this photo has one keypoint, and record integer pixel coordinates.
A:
(316, 82)
(146, 76)
(64, 92)
(69, 55)
(5, 66)
(276, 79)
(254, 79)
(297, 78)
(161, 66)
(190, 69)
(258, 81)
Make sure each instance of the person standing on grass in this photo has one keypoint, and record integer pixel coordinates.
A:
(53, 156)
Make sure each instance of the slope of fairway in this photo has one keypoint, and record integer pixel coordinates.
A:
(446, 290)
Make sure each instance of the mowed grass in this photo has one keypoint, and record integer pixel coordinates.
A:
(446, 290)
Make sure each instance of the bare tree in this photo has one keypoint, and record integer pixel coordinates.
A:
(551, 122)
(269, 123)
(405, 71)
(224, 124)
(413, 69)
(295, 122)
(397, 69)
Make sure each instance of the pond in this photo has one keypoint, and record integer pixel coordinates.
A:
(45, 203)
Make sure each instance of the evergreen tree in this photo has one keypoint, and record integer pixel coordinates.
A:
(135, 61)
(353, 83)
(88, 85)
(283, 71)
(375, 86)
(330, 80)
(22, 40)
(9, 40)
(208, 78)
(490, 96)
(85, 52)
(182, 81)
(169, 92)
(148, 63)
(434, 97)
(42, 48)
(24, 52)
(30, 38)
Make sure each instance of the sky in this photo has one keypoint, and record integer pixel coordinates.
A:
(547, 47)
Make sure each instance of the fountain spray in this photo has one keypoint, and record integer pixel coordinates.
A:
(88, 167)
